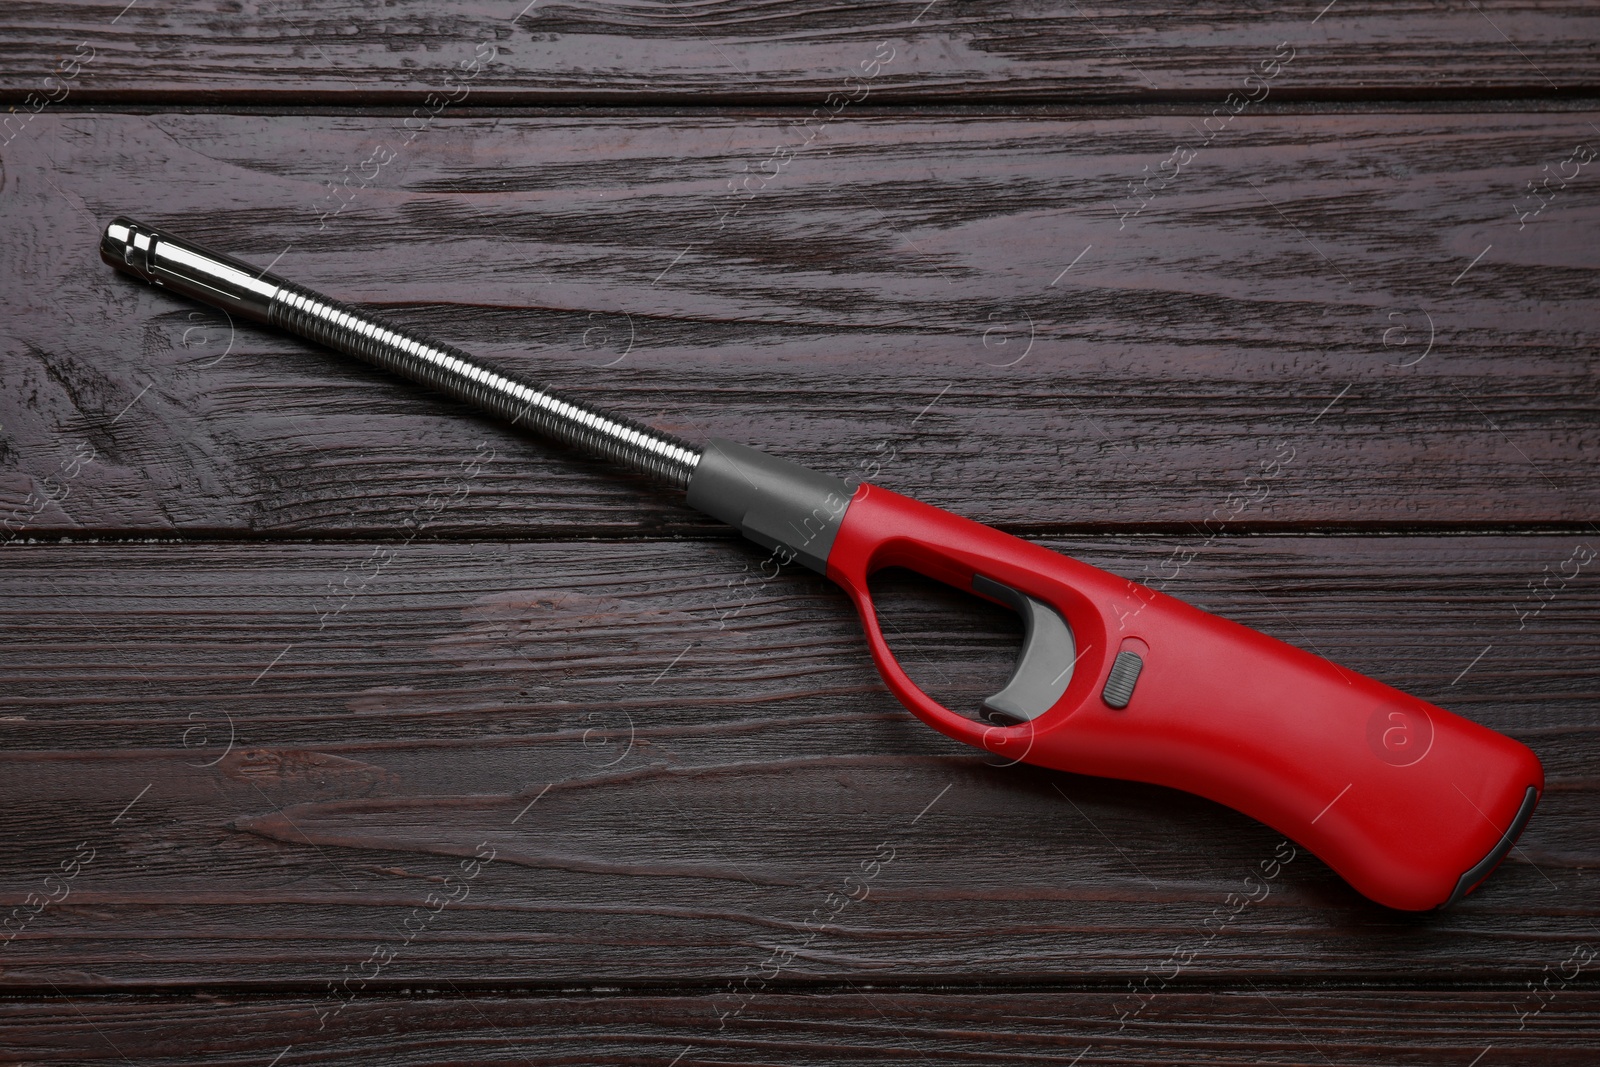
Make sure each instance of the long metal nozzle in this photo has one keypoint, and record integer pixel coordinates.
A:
(241, 289)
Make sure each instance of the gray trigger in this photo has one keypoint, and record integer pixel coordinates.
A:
(1045, 666)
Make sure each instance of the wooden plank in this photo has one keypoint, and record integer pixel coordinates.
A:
(1348, 302)
(252, 784)
(296, 52)
(862, 1025)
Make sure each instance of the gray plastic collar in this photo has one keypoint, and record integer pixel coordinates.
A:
(777, 504)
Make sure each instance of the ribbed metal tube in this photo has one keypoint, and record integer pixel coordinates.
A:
(237, 287)
(452, 371)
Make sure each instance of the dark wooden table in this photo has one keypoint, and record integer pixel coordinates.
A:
(343, 726)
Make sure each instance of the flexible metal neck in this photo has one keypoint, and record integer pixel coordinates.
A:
(240, 289)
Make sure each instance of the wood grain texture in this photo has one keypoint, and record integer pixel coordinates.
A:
(860, 1026)
(675, 775)
(969, 305)
(298, 52)
(347, 727)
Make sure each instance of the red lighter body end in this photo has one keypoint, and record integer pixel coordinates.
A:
(1411, 804)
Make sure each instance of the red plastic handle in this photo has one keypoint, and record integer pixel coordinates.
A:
(1411, 804)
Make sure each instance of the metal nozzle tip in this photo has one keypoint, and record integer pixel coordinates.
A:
(184, 267)
(126, 246)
